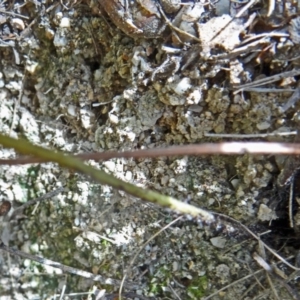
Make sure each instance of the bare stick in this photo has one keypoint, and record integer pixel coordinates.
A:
(231, 284)
(68, 269)
(267, 80)
(21, 91)
(257, 238)
(237, 281)
(240, 13)
(139, 251)
(34, 201)
(267, 90)
(249, 136)
(3, 11)
(291, 197)
(270, 271)
(226, 148)
(176, 28)
(271, 7)
(292, 100)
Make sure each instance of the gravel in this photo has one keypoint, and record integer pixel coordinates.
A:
(73, 79)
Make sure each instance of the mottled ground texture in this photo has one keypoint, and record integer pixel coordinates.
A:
(85, 76)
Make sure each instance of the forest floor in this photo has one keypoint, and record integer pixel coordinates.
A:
(81, 77)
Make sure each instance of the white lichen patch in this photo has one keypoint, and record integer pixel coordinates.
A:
(214, 34)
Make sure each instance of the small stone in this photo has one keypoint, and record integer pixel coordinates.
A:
(195, 108)
(235, 183)
(263, 125)
(170, 6)
(265, 213)
(182, 86)
(114, 119)
(32, 67)
(110, 165)
(128, 175)
(175, 266)
(218, 242)
(60, 41)
(18, 23)
(65, 23)
(72, 110)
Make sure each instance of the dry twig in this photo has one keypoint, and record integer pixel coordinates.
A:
(139, 251)
(46, 196)
(267, 80)
(225, 148)
(64, 268)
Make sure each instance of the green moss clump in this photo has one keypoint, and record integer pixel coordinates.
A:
(198, 287)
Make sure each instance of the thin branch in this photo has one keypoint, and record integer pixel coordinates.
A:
(76, 164)
(3, 11)
(232, 284)
(249, 136)
(292, 100)
(139, 251)
(253, 274)
(239, 14)
(246, 229)
(67, 269)
(176, 28)
(226, 148)
(269, 269)
(291, 198)
(21, 92)
(34, 201)
(268, 90)
(267, 80)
